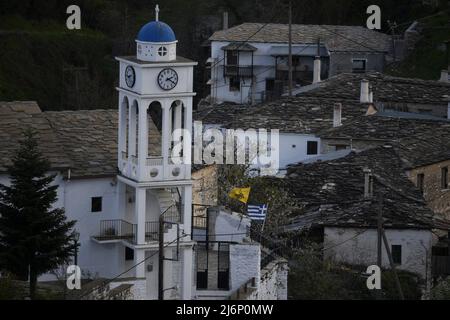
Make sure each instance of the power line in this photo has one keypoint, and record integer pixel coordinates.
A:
(132, 267)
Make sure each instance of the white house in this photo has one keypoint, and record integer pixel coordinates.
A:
(249, 62)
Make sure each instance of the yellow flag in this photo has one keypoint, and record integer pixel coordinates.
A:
(240, 194)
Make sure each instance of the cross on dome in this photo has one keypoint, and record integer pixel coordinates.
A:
(157, 13)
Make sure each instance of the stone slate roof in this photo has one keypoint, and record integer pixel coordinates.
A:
(89, 139)
(336, 38)
(290, 115)
(419, 141)
(14, 118)
(84, 141)
(331, 193)
(385, 89)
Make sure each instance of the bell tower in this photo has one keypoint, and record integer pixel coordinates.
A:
(155, 99)
(154, 159)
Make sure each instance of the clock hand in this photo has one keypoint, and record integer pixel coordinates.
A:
(170, 79)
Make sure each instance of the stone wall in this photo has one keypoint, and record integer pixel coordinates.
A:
(204, 188)
(273, 282)
(329, 145)
(438, 199)
(341, 62)
(138, 290)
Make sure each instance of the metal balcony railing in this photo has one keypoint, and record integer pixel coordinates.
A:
(152, 231)
(238, 71)
(117, 230)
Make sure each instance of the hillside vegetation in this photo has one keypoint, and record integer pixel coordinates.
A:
(41, 60)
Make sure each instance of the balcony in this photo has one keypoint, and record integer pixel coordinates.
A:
(238, 71)
(153, 168)
(120, 230)
(113, 230)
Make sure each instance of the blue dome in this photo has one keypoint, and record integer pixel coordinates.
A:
(156, 31)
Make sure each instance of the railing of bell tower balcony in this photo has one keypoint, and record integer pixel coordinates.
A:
(154, 161)
(117, 230)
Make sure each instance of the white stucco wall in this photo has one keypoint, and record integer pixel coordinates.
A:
(227, 226)
(293, 148)
(349, 247)
(244, 263)
(75, 196)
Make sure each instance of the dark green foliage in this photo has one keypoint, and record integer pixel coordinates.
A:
(311, 278)
(34, 237)
(36, 45)
(264, 190)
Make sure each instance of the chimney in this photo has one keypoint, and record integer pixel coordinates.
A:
(368, 183)
(337, 115)
(444, 76)
(316, 75)
(365, 95)
(225, 20)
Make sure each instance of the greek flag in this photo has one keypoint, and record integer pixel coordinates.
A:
(257, 212)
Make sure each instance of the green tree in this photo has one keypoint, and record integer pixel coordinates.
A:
(34, 237)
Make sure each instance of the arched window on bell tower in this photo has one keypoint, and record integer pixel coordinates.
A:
(154, 120)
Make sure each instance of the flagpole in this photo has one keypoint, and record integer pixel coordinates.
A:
(262, 229)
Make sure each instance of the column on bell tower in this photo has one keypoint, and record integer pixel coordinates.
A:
(132, 129)
(142, 139)
(166, 131)
(123, 126)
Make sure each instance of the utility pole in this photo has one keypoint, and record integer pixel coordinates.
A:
(379, 232)
(75, 71)
(161, 259)
(318, 47)
(447, 45)
(290, 48)
(392, 26)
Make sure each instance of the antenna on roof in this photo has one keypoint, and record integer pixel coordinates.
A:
(157, 13)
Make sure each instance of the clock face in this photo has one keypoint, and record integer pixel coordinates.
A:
(167, 79)
(130, 76)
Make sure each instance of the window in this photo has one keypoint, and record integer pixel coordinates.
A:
(420, 179)
(396, 251)
(96, 204)
(312, 147)
(444, 178)
(340, 147)
(235, 84)
(129, 254)
(270, 84)
(359, 65)
(162, 51)
(232, 58)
